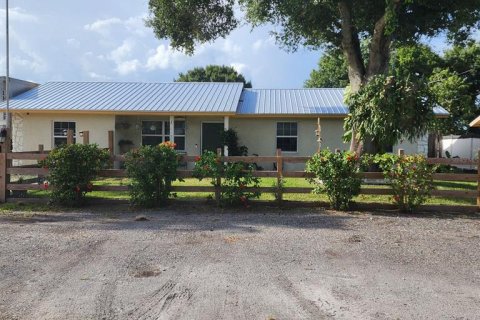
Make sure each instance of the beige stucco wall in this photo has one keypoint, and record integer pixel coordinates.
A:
(258, 134)
(37, 129)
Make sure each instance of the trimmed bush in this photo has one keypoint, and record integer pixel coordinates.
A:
(72, 168)
(234, 178)
(337, 175)
(152, 169)
(410, 177)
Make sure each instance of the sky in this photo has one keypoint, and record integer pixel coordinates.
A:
(92, 40)
(106, 40)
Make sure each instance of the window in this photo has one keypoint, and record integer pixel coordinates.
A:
(60, 129)
(179, 135)
(156, 132)
(287, 136)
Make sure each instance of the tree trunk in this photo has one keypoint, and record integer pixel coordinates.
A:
(358, 74)
(353, 54)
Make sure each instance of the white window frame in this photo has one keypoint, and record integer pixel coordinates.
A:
(164, 135)
(53, 131)
(277, 136)
(184, 136)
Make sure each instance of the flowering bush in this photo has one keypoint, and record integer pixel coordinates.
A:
(336, 174)
(231, 179)
(152, 169)
(410, 177)
(71, 171)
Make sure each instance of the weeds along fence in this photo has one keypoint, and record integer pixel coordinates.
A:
(8, 168)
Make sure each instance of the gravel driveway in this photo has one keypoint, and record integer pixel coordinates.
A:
(200, 263)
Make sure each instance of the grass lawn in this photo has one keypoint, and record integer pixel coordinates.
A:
(289, 182)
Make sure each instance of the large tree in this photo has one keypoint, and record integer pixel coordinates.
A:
(453, 79)
(213, 73)
(341, 24)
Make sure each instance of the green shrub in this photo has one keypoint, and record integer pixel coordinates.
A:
(410, 177)
(72, 168)
(231, 179)
(336, 174)
(152, 169)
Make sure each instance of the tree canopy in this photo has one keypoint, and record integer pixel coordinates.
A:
(314, 24)
(453, 79)
(213, 73)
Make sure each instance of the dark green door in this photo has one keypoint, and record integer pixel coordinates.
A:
(211, 136)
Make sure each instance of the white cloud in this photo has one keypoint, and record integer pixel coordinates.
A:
(257, 45)
(127, 67)
(136, 25)
(102, 26)
(122, 52)
(74, 43)
(18, 14)
(99, 77)
(239, 67)
(121, 56)
(165, 57)
(230, 48)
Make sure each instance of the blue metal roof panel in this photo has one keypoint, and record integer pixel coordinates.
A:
(135, 97)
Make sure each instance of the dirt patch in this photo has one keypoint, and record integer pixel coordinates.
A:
(147, 273)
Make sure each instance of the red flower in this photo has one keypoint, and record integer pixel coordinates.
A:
(197, 158)
(45, 185)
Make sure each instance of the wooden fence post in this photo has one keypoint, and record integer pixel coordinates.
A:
(86, 137)
(218, 183)
(3, 175)
(279, 176)
(478, 179)
(69, 137)
(110, 142)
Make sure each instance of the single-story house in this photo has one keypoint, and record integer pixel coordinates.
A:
(191, 114)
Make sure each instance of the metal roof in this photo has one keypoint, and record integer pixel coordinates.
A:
(317, 101)
(292, 101)
(191, 97)
(182, 97)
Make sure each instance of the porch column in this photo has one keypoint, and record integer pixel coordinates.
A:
(226, 125)
(172, 129)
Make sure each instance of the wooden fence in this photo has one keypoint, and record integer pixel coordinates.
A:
(7, 168)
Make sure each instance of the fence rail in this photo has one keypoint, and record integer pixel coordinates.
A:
(7, 169)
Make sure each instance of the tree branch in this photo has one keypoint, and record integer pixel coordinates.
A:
(351, 47)
(379, 54)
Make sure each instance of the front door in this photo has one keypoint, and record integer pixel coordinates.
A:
(212, 136)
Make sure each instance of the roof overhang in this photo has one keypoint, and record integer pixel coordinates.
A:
(123, 113)
(475, 122)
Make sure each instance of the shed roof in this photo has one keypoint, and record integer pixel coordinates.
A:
(191, 97)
